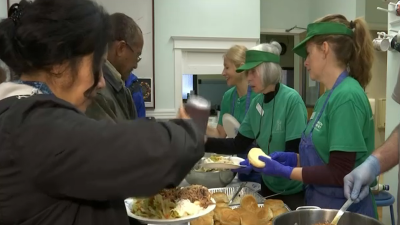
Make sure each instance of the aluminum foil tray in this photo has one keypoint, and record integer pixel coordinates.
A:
(230, 191)
(259, 206)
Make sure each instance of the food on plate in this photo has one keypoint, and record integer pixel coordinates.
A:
(220, 197)
(215, 159)
(196, 193)
(249, 203)
(248, 213)
(253, 155)
(173, 203)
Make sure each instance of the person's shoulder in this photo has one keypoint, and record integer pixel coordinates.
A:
(228, 94)
(255, 95)
(348, 90)
(230, 91)
(290, 94)
(33, 109)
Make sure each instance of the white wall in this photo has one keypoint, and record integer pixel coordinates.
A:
(392, 112)
(350, 9)
(203, 18)
(3, 9)
(284, 14)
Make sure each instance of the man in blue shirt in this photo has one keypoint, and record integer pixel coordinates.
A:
(132, 83)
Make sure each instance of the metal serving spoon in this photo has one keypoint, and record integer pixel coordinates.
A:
(346, 205)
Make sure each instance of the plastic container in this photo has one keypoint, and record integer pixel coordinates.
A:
(198, 109)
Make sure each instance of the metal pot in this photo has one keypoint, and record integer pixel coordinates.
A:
(310, 215)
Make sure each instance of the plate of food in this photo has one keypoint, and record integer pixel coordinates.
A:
(222, 162)
(171, 206)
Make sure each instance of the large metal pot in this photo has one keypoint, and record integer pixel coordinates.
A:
(310, 215)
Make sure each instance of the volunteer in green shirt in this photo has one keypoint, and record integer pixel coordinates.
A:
(236, 101)
(340, 133)
(276, 119)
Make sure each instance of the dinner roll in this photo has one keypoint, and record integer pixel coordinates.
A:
(253, 155)
(229, 216)
(249, 219)
(241, 211)
(280, 211)
(274, 204)
(221, 205)
(203, 220)
(220, 197)
(264, 215)
(249, 203)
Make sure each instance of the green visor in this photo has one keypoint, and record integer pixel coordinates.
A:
(322, 28)
(255, 58)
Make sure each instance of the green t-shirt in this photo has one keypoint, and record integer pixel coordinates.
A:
(346, 124)
(289, 121)
(240, 105)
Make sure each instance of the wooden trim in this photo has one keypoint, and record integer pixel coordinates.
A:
(153, 91)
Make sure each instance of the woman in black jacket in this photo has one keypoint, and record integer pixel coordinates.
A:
(58, 167)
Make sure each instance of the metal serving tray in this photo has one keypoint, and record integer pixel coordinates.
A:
(259, 206)
(230, 191)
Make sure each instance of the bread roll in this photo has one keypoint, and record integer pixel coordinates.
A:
(241, 211)
(221, 205)
(249, 219)
(229, 216)
(253, 155)
(264, 215)
(274, 204)
(278, 212)
(249, 203)
(203, 220)
(220, 197)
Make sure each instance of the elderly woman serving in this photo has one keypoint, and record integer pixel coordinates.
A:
(275, 119)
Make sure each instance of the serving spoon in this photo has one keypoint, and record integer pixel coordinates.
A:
(346, 205)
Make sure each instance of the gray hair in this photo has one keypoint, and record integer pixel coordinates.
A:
(4, 69)
(269, 72)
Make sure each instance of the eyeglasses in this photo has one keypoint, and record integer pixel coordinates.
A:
(139, 57)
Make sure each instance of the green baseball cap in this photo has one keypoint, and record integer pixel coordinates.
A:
(321, 28)
(255, 58)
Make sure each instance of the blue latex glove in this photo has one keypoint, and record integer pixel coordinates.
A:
(244, 170)
(285, 158)
(356, 183)
(274, 168)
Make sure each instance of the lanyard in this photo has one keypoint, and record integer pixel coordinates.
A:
(42, 87)
(339, 80)
(247, 101)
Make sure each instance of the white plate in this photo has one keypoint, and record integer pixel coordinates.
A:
(230, 124)
(217, 165)
(130, 201)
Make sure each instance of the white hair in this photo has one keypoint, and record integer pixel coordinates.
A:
(269, 72)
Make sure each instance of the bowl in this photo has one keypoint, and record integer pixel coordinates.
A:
(212, 179)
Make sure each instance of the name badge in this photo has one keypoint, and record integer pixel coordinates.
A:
(259, 109)
(312, 116)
